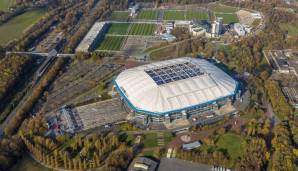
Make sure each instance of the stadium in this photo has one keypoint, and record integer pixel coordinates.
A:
(174, 89)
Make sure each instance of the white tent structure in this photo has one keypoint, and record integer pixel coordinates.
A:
(174, 86)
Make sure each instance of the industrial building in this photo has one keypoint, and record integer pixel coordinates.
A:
(90, 40)
(174, 89)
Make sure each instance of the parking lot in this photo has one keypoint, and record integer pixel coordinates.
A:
(76, 80)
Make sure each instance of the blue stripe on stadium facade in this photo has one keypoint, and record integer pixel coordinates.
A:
(169, 113)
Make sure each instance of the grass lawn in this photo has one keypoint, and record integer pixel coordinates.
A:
(228, 18)
(196, 15)
(111, 43)
(142, 29)
(168, 137)
(174, 15)
(15, 27)
(118, 28)
(222, 8)
(292, 28)
(148, 15)
(5, 4)
(150, 140)
(233, 143)
(120, 15)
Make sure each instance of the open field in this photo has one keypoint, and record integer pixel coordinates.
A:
(120, 15)
(233, 143)
(147, 15)
(15, 27)
(174, 15)
(111, 43)
(222, 8)
(291, 28)
(200, 15)
(5, 4)
(228, 18)
(118, 28)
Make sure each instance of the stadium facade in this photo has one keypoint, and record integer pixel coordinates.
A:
(173, 89)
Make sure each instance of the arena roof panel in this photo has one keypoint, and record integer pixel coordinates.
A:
(165, 94)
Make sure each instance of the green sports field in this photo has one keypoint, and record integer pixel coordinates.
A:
(111, 43)
(147, 15)
(174, 15)
(5, 4)
(142, 29)
(199, 15)
(119, 15)
(228, 18)
(118, 28)
(15, 27)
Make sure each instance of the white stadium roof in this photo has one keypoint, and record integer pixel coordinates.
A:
(172, 85)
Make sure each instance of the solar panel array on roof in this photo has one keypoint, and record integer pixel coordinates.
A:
(174, 72)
